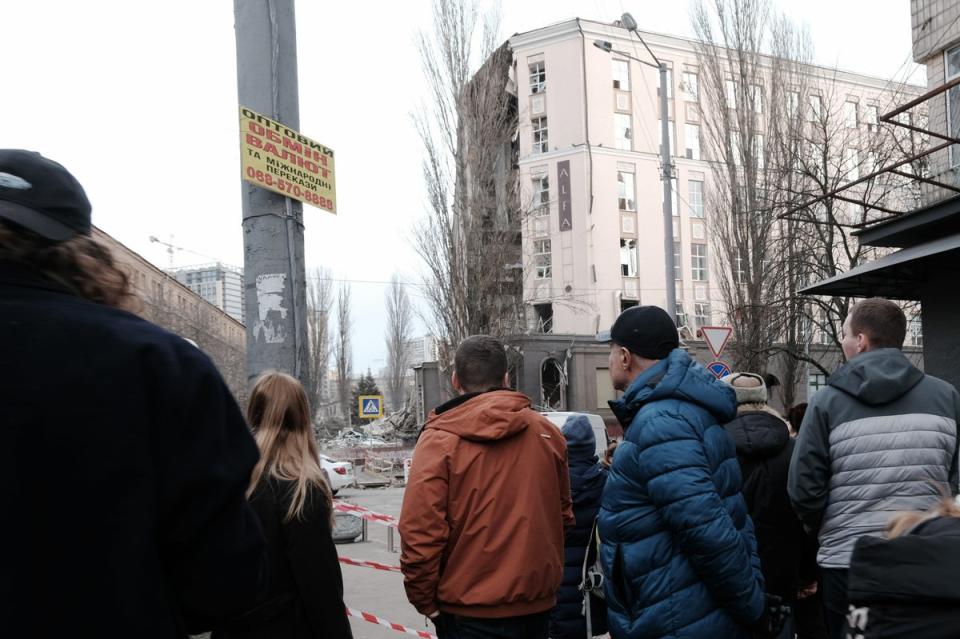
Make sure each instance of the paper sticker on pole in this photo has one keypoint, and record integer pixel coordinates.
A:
(716, 338)
(279, 159)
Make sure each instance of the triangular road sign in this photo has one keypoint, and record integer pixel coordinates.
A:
(371, 407)
(716, 338)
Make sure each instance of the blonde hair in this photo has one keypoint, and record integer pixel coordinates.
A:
(82, 264)
(279, 414)
(903, 524)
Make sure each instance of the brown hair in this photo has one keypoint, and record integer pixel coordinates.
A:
(903, 524)
(82, 264)
(882, 321)
(480, 363)
(279, 413)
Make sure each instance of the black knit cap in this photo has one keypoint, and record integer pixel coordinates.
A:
(41, 196)
(646, 331)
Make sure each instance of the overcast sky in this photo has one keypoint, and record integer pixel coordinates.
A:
(139, 101)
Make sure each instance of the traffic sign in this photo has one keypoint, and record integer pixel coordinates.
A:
(716, 338)
(719, 369)
(370, 406)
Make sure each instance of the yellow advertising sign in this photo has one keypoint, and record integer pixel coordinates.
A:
(282, 160)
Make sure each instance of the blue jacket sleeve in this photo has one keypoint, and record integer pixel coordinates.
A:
(680, 484)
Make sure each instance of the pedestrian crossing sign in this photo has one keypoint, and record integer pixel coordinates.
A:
(370, 406)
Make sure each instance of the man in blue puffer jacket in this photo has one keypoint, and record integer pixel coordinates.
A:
(679, 551)
(587, 477)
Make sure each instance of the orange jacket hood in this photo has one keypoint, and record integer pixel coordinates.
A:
(483, 417)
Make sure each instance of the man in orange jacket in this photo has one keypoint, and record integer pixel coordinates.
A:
(485, 507)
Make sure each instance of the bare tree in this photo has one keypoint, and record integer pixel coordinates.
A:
(749, 64)
(778, 137)
(470, 239)
(343, 354)
(319, 306)
(399, 329)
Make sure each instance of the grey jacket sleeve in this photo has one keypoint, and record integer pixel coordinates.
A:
(954, 474)
(808, 482)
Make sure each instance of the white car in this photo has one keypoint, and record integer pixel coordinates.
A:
(338, 473)
(558, 419)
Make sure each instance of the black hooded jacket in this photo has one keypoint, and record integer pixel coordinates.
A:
(908, 586)
(764, 448)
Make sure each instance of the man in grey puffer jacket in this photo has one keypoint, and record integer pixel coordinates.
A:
(881, 438)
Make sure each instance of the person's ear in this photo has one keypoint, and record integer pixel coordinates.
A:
(625, 358)
(506, 380)
(863, 343)
(455, 382)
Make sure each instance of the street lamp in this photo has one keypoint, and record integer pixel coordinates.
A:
(666, 166)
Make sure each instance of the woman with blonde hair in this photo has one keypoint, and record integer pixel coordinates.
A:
(906, 585)
(304, 591)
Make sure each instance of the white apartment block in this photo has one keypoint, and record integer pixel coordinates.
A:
(589, 166)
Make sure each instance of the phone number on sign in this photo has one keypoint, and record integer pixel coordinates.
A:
(289, 188)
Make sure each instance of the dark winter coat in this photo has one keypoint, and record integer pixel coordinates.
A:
(764, 448)
(909, 585)
(304, 594)
(123, 470)
(587, 478)
(678, 549)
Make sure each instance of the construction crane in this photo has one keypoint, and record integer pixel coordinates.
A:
(172, 249)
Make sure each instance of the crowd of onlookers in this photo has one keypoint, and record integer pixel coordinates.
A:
(141, 502)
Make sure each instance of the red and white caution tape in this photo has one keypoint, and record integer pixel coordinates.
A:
(368, 564)
(364, 513)
(366, 616)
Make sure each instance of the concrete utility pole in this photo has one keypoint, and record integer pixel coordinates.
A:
(274, 272)
(666, 165)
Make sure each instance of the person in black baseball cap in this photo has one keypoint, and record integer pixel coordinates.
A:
(686, 555)
(641, 336)
(125, 458)
(41, 196)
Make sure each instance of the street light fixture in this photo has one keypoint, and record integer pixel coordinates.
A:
(666, 166)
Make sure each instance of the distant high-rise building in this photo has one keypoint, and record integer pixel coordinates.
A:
(422, 349)
(219, 284)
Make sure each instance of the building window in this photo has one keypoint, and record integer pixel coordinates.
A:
(621, 75)
(538, 77)
(541, 194)
(552, 385)
(677, 262)
(540, 135)
(757, 92)
(691, 138)
(690, 86)
(815, 381)
(542, 259)
(696, 198)
(698, 262)
(626, 192)
(850, 115)
(628, 257)
(952, 64)
(793, 103)
(544, 317)
(730, 92)
(622, 131)
(851, 164)
(915, 329)
(872, 117)
(681, 318)
(669, 84)
(758, 155)
(701, 314)
(816, 108)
